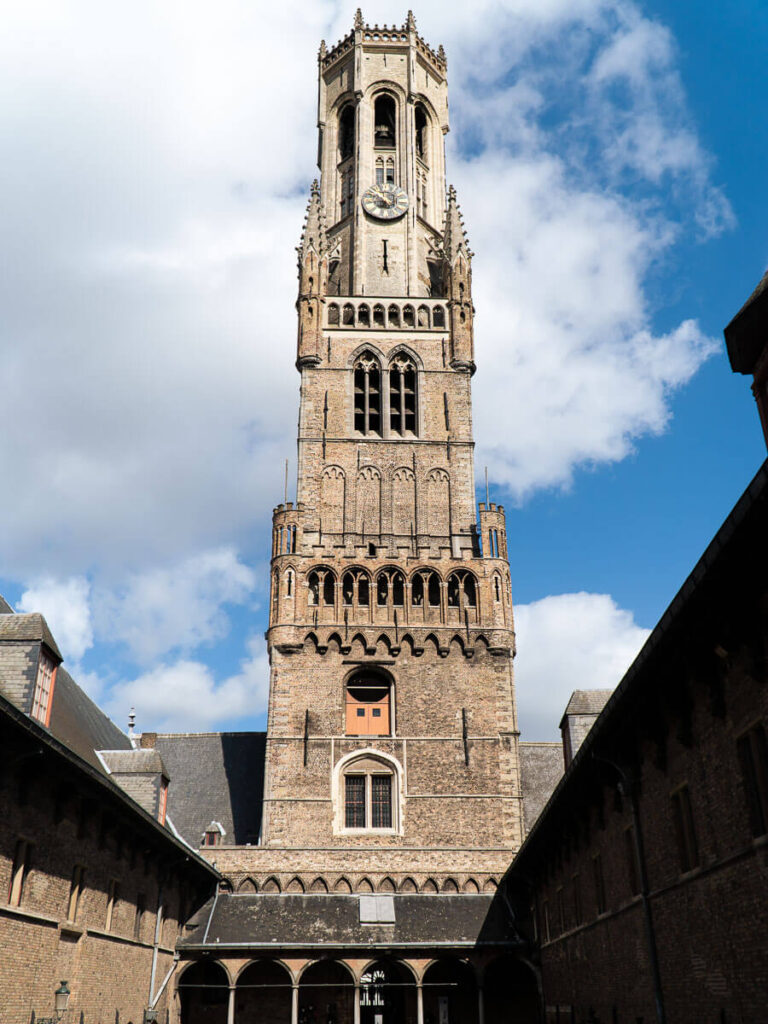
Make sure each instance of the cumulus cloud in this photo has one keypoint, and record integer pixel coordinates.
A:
(66, 607)
(569, 642)
(185, 696)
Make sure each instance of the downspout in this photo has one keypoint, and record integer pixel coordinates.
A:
(174, 965)
(627, 788)
(158, 927)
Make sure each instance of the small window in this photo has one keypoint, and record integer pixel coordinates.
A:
(46, 677)
(347, 132)
(333, 315)
(138, 919)
(112, 898)
(393, 314)
(684, 829)
(381, 801)
(752, 750)
(421, 132)
(368, 794)
(289, 583)
(75, 891)
(384, 122)
(367, 706)
(21, 862)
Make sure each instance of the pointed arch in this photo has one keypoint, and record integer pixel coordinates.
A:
(386, 885)
(470, 886)
(333, 489)
(385, 642)
(364, 885)
(342, 885)
(438, 502)
(432, 639)
(360, 640)
(490, 885)
(482, 639)
(311, 639)
(295, 885)
(319, 885)
(430, 886)
(408, 885)
(271, 885)
(450, 885)
(408, 639)
(247, 885)
(334, 638)
(369, 500)
(404, 501)
(456, 641)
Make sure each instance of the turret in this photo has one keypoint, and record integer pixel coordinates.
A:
(313, 281)
(458, 285)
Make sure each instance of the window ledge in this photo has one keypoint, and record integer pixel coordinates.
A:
(368, 832)
(72, 928)
(30, 915)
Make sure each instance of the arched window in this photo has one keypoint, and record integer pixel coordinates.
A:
(289, 583)
(425, 585)
(390, 171)
(394, 316)
(496, 589)
(423, 316)
(321, 582)
(355, 587)
(368, 791)
(421, 133)
(384, 122)
(380, 170)
(461, 590)
(346, 132)
(367, 705)
(333, 315)
(408, 320)
(378, 316)
(367, 394)
(402, 395)
(438, 316)
(364, 315)
(390, 588)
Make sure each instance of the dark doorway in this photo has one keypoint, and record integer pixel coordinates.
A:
(511, 992)
(387, 994)
(450, 993)
(326, 995)
(204, 992)
(263, 992)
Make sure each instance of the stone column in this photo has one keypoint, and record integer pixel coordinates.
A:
(231, 1005)
(356, 1016)
(480, 1005)
(419, 1003)
(295, 1005)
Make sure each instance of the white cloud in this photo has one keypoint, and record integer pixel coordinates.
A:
(184, 696)
(569, 642)
(66, 607)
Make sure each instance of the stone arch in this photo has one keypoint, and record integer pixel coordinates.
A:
(271, 885)
(369, 501)
(408, 639)
(451, 980)
(404, 501)
(391, 985)
(264, 991)
(319, 885)
(457, 641)
(203, 989)
(432, 639)
(295, 885)
(364, 885)
(408, 885)
(385, 642)
(470, 886)
(482, 639)
(225, 885)
(247, 885)
(386, 885)
(364, 761)
(490, 885)
(423, 316)
(438, 502)
(342, 885)
(450, 885)
(311, 638)
(333, 487)
(430, 886)
(326, 983)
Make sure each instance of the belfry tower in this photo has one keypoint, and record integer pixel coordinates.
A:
(392, 743)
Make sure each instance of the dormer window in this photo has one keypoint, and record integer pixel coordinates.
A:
(46, 678)
(213, 834)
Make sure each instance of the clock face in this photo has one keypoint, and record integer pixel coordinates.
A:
(387, 201)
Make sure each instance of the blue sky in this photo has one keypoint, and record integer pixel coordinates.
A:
(609, 159)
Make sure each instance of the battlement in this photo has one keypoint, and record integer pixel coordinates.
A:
(384, 36)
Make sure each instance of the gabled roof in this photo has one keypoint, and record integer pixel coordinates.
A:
(747, 334)
(77, 722)
(587, 702)
(27, 626)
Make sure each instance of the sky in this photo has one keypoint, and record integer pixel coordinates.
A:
(609, 159)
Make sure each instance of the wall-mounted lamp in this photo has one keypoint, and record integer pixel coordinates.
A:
(60, 1000)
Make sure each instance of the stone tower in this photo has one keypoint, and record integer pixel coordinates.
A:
(392, 743)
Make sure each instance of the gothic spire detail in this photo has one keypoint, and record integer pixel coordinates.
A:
(410, 22)
(313, 236)
(358, 18)
(455, 236)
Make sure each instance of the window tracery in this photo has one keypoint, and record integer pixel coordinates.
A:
(367, 394)
(355, 587)
(462, 591)
(402, 395)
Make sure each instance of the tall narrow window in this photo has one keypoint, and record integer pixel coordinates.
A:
(112, 897)
(347, 132)
(752, 749)
(21, 861)
(402, 395)
(354, 804)
(367, 376)
(633, 875)
(138, 918)
(46, 676)
(421, 133)
(368, 795)
(381, 801)
(684, 829)
(75, 891)
(380, 171)
(390, 171)
(597, 873)
(384, 122)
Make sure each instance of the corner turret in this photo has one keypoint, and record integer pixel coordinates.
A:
(458, 282)
(313, 280)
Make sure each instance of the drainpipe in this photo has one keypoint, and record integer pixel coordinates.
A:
(158, 928)
(627, 788)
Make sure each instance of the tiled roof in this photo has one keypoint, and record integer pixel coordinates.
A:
(293, 920)
(215, 777)
(587, 702)
(30, 626)
(124, 761)
(82, 726)
(5, 608)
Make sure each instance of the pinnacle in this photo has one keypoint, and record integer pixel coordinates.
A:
(455, 235)
(358, 18)
(313, 234)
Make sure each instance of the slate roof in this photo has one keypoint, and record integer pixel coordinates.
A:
(292, 920)
(587, 702)
(80, 725)
(215, 777)
(31, 626)
(744, 335)
(5, 608)
(122, 761)
(541, 767)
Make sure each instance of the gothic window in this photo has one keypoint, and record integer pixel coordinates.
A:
(421, 133)
(346, 132)
(380, 171)
(367, 394)
(378, 316)
(333, 315)
(346, 191)
(402, 395)
(408, 320)
(367, 705)
(461, 590)
(355, 587)
(364, 316)
(368, 794)
(423, 316)
(390, 171)
(394, 316)
(329, 589)
(384, 122)
(332, 499)
(496, 589)
(390, 588)
(438, 316)
(348, 315)
(275, 594)
(403, 501)
(417, 590)
(289, 583)
(425, 585)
